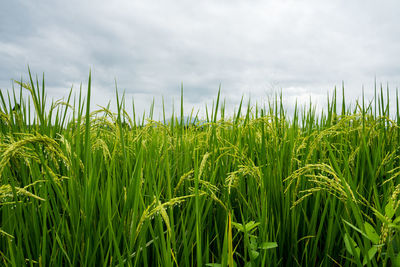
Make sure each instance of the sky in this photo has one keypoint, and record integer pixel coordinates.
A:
(151, 48)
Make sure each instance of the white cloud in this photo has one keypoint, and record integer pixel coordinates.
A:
(150, 47)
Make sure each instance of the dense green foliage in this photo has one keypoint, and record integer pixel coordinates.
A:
(258, 189)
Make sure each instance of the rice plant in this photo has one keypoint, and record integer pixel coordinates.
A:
(263, 188)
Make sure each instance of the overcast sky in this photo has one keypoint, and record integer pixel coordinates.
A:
(251, 48)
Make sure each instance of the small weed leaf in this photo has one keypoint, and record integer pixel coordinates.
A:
(396, 260)
(268, 245)
(370, 255)
(397, 220)
(254, 254)
(351, 245)
(249, 227)
(371, 233)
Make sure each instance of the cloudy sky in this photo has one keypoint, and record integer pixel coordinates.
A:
(252, 48)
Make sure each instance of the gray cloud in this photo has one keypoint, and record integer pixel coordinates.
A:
(151, 47)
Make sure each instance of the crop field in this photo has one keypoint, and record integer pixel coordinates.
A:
(86, 187)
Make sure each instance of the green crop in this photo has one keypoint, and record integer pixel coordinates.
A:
(262, 188)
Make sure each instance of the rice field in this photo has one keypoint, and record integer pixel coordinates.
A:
(85, 187)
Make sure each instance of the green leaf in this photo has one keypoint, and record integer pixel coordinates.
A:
(392, 225)
(254, 254)
(251, 226)
(397, 220)
(371, 253)
(355, 228)
(349, 242)
(268, 245)
(238, 226)
(396, 260)
(389, 209)
(371, 233)
(253, 243)
(248, 227)
(214, 264)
